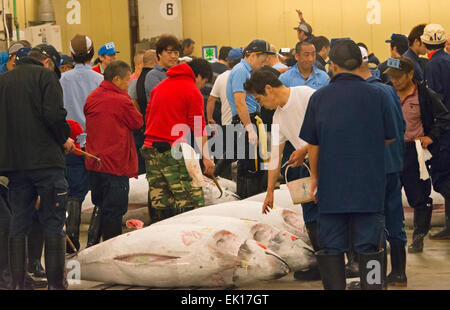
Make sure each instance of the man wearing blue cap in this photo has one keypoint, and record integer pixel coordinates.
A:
(107, 54)
(244, 107)
(10, 64)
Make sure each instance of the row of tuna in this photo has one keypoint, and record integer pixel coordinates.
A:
(224, 245)
(228, 243)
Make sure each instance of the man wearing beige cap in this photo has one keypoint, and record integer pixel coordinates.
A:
(437, 72)
(77, 85)
(437, 76)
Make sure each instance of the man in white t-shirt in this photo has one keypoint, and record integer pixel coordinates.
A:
(290, 106)
(219, 91)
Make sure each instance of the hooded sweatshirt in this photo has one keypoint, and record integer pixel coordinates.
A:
(175, 101)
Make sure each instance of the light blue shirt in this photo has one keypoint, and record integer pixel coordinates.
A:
(293, 78)
(238, 76)
(77, 85)
(153, 78)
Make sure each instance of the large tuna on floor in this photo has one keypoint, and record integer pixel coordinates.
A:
(283, 219)
(184, 255)
(297, 254)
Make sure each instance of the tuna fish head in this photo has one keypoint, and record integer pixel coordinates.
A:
(294, 224)
(297, 254)
(258, 263)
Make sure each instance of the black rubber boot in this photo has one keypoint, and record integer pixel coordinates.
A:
(32, 284)
(111, 227)
(17, 262)
(94, 232)
(5, 276)
(352, 266)
(369, 264)
(35, 246)
(55, 251)
(223, 168)
(160, 214)
(445, 233)
(332, 270)
(397, 277)
(422, 220)
(73, 223)
(310, 274)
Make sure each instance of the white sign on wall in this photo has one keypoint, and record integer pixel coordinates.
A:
(374, 15)
(169, 9)
(74, 15)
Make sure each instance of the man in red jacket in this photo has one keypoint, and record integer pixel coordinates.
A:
(171, 188)
(110, 121)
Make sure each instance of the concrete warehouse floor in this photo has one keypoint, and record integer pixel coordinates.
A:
(429, 270)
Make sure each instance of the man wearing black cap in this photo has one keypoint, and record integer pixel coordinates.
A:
(349, 123)
(244, 107)
(34, 138)
(427, 121)
(399, 45)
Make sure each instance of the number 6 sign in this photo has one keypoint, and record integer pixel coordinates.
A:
(169, 9)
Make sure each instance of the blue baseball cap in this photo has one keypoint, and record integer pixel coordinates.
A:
(21, 54)
(107, 49)
(235, 54)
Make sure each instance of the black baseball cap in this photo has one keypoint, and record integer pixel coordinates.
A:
(346, 54)
(51, 52)
(66, 60)
(400, 41)
(259, 46)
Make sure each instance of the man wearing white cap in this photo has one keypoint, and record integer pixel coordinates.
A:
(77, 85)
(437, 72)
(437, 76)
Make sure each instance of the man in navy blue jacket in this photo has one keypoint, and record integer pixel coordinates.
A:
(437, 76)
(393, 206)
(347, 126)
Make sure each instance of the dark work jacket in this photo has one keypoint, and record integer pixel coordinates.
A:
(33, 124)
(435, 116)
(140, 90)
(436, 124)
(320, 63)
(139, 136)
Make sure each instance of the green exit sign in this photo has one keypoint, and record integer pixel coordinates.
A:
(209, 53)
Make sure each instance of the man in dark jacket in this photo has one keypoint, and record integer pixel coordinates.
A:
(437, 76)
(34, 135)
(428, 121)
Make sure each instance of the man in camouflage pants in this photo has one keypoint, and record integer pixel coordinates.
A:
(171, 190)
